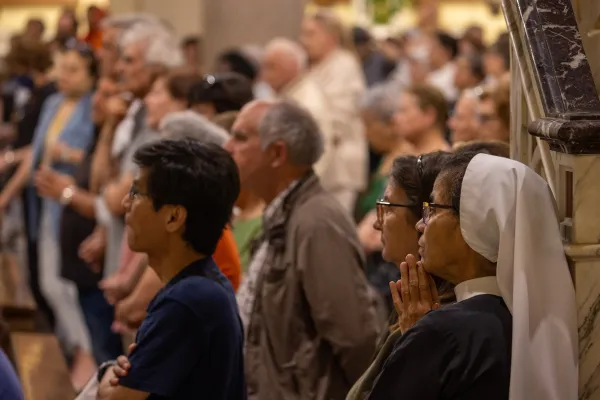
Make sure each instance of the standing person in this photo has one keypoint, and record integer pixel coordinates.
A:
(337, 71)
(308, 308)
(190, 345)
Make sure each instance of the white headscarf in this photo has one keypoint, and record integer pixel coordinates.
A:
(508, 215)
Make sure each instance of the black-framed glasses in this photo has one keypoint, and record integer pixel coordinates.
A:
(429, 207)
(381, 205)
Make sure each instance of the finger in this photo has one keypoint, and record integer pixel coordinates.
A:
(114, 381)
(405, 291)
(132, 346)
(435, 297)
(123, 362)
(119, 371)
(424, 288)
(396, 297)
(413, 279)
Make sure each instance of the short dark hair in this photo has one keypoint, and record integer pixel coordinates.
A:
(453, 175)
(492, 147)
(240, 63)
(448, 42)
(191, 41)
(180, 82)
(476, 65)
(201, 177)
(416, 177)
(227, 91)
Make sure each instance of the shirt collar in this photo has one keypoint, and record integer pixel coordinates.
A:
(272, 207)
(475, 287)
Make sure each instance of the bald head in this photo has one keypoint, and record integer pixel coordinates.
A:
(283, 62)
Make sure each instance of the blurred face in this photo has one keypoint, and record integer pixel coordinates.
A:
(108, 54)
(418, 71)
(464, 78)
(315, 39)
(464, 122)
(438, 55)
(278, 70)
(245, 148)
(73, 74)
(381, 135)
(33, 31)
(66, 25)
(135, 75)
(106, 89)
(397, 225)
(159, 103)
(192, 55)
(147, 229)
(492, 127)
(494, 64)
(410, 120)
(441, 246)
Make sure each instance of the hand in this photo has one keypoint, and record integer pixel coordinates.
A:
(116, 287)
(91, 250)
(130, 313)
(60, 152)
(50, 184)
(116, 107)
(122, 367)
(414, 295)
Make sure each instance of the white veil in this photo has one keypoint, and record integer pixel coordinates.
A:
(508, 215)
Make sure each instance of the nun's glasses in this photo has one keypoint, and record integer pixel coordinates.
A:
(428, 210)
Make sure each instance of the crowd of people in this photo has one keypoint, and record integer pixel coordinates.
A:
(245, 228)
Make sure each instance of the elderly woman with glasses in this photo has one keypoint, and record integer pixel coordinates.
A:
(490, 229)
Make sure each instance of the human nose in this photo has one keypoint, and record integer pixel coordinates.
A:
(126, 202)
(420, 226)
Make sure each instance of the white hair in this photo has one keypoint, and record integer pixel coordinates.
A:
(382, 101)
(188, 124)
(161, 45)
(291, 49)
(296, 127)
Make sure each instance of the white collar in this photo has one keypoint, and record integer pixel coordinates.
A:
(475, 287)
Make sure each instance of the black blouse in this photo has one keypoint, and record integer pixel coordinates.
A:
(460, 352)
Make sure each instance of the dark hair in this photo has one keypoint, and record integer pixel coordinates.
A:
(476, 65)
(38, 23)
(430, 97)
(453, 174)
(239, 63)
(85, 52)
(31, 55)
(493, 147)
(191, 41)
(502, 48)
(226, 92)
(448, 42)
(201, 177)
(416, 176)
(180, 82)
(361, 36)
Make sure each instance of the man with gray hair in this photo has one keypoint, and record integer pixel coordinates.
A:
(284, 68)
(189, 124)
(308, 311)
(148, 49)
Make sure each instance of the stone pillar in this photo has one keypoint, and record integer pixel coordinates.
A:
(564, 114)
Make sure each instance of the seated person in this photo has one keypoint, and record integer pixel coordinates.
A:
(191, 342)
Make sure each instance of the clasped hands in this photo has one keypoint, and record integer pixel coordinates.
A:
(415, 294)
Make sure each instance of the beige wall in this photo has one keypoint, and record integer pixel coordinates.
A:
(223, 23)
(588, 19)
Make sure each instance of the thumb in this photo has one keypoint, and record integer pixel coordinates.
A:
(132, 346)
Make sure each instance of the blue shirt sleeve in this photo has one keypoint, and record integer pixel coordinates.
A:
(169, 344)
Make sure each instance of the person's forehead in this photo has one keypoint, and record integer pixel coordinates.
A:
(250, 117)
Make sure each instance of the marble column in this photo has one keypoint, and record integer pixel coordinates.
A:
(564, 113)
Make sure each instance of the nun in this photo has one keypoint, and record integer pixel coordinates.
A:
(491, 229)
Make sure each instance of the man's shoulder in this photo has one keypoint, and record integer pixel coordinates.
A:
(321, 209)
